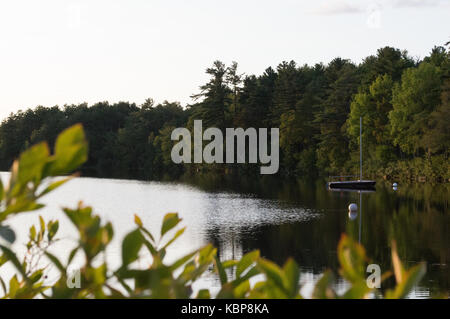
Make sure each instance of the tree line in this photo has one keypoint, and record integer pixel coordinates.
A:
(404, 104)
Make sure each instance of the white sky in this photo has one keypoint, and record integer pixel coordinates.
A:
(62, 52)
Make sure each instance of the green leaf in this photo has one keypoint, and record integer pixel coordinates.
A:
(2, 283)
(33, 233)
(406, 280)
(107, 233)
(2, 190)
(226, 292)
(3, 260)
(54, 186)
(358, 290)
(399, 271)
(177, 234)
(273, 273)
(14, 286)
(203, 294)
(55, 261)
(11, 256)
(206, 254)
(241, 290)
(72, 255)
(21, 205)
(137, 220)
(180, 262)
(146, 232)
(410, 279)
(52, 229)
(131, 246)
(229, 263)
(292, 277)
(70, 151)
(249, 274)
(246, 261)
(42, 223)
(7, 233)
(150, 247)
(352, 259)
(323, 289)
(221, 271)
(31, 163)
(169, 222)
(34, 277)
(97, 275)
(196, 268)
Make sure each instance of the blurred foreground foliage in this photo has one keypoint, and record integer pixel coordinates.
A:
(30, 179)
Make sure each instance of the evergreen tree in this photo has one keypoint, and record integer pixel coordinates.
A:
(332, 149)
(216, 98)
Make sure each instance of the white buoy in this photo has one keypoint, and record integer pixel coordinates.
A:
(352, 207)
(352, 214)
(394, 185)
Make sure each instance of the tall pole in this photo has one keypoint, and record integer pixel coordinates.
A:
(360, 148)
(360, 216)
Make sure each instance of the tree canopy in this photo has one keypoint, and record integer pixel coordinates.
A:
(404, 104)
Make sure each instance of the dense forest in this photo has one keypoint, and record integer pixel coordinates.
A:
(404, 103)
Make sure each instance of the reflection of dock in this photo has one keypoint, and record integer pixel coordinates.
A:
(368, 190)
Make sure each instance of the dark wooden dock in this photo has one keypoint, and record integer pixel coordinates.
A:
(364, 184)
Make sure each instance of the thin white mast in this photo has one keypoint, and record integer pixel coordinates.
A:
(360, 148)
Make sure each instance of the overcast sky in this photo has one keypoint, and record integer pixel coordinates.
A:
(62, 52)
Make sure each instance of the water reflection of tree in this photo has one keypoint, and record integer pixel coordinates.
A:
(416, 216)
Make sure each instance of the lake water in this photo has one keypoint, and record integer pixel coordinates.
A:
(301, 219)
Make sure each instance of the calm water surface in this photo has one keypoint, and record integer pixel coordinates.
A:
(301, 219)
